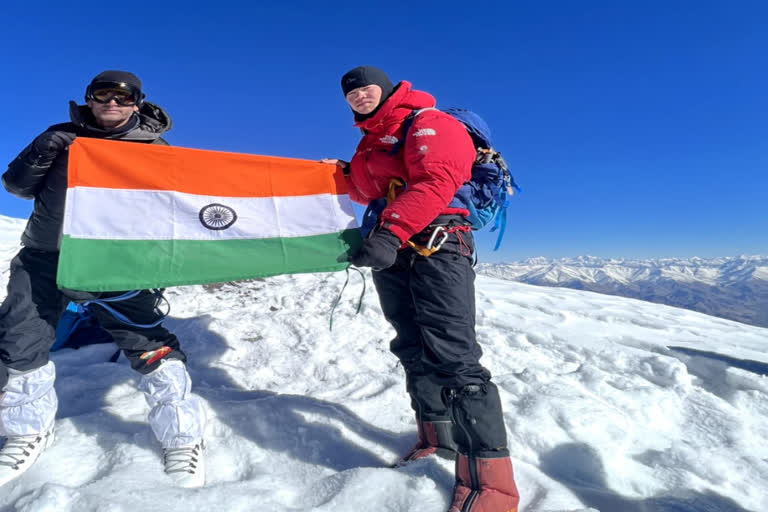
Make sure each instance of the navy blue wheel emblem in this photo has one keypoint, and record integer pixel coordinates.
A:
(217, 216)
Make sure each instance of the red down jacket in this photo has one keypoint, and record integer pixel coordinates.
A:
(435, 160)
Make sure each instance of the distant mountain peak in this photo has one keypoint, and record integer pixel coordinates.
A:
(733, 287)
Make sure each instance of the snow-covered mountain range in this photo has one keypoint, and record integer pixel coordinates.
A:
(734, 287)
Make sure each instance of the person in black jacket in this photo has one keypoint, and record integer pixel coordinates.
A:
(115, 109)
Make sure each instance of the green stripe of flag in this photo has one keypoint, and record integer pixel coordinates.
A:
(114, 265)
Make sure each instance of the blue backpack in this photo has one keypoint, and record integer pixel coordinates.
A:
(79, 328)
(486, 194)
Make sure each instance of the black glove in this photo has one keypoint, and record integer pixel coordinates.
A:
(48, 145)
(379, 251)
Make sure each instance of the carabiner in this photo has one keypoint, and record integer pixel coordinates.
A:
(431, 243)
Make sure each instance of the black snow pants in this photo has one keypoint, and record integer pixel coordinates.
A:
(430, 301)
(33, 306)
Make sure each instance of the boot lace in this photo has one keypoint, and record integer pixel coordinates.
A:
(182, 460)
(17, 448)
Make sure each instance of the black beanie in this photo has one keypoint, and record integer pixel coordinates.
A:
(125, 77)
(367, 75)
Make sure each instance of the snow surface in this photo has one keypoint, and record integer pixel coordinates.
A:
(601, 414)
(11, 228)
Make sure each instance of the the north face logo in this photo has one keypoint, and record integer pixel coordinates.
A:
(389, 139)
(424, 131)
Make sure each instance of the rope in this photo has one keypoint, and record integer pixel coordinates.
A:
(338, 299)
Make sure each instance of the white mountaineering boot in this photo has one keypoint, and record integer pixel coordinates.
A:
(19, 453)
(177, 418)
(186, 465)
(28, 406)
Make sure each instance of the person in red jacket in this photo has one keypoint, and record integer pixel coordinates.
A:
(421, 253)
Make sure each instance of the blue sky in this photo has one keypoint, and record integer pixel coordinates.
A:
(636, 129)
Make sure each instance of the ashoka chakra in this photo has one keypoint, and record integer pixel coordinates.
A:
(217, 216)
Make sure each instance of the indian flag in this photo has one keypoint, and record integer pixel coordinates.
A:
(148, 216)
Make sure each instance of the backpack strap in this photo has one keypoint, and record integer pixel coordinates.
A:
(84, 306)
(508, 189)
(407, 122)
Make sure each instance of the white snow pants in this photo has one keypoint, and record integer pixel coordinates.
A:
(177, 417)
(28, 405)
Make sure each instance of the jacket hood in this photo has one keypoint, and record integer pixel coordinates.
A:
(153, 121)
(400, 103)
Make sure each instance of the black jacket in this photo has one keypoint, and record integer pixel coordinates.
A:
(47, 184)
(3, 377)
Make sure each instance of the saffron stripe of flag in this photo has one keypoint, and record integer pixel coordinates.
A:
(143, 216)
(102, 164)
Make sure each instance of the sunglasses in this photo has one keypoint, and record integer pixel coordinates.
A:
(123, 94)
(121, 97)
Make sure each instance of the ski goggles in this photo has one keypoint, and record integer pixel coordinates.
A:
(123, 94)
